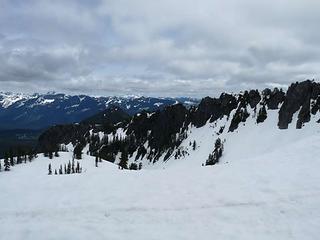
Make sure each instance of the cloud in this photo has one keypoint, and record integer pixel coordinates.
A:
(157, 48)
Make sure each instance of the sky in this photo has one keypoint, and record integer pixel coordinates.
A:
(157, 48)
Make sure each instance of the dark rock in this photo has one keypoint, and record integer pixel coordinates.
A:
(240, 115)
(298, 96)
(213, 109)
(262, 114)
(254, 98)
(273, 98)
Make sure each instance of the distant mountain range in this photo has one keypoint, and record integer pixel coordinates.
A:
(39, 111)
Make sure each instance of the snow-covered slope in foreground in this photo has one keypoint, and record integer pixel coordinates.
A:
(272, 193)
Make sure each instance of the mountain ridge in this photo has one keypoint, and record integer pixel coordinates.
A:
(38, 111)
(165, 134)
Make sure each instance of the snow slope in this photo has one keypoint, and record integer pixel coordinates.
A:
(267, 186)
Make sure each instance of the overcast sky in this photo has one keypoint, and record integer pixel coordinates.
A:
(157, 48)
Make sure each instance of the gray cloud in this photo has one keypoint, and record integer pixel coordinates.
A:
(158, 48)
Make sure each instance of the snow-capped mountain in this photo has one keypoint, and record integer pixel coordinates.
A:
(177, 133)
(37, 111)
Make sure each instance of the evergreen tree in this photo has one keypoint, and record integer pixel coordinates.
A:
(194, 145)
(49, 169)
(55, 172)
(133, 166)
(96, 160)
(30, 156)
(19, 158)
(6, 159)
(140, 165)
(72, 167)
(78, 168)
(262, 114)
(215, 156)
(56, 154)
(124, 159)
(69, 168)
(11, 157)
(12, 163)
(77, 152)
(6, 164)
(60, 170)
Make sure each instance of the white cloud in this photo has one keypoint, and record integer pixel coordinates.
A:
(179, 47)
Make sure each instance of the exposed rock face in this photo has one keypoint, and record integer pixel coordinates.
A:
(240, 115)
(273, 98)
(213, 109)
(160, 128)
(298, 96)
(208, 108)
(254, 98)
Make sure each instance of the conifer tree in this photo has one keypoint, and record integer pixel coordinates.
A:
(55, 172)
(96, 160)
(6, 164)
(72, 167)
(69, 168)
(12, 162)
(49, 169)
(133, 166)
(56, 154)
(194, 145)
(262, 115)
(6, 158)
(215, 156)
(78, 168)
(19, 159)
(124, 159)
(77, 152)
(11, 157)
(30, 157)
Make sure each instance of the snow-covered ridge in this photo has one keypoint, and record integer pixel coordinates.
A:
(7, 99)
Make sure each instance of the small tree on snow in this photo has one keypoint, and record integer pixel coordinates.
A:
(124, 160)
(6, 164)
(215, 156)
(194, 145)
(96, 160)
(49, 169)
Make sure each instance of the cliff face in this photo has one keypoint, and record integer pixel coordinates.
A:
(158, 135)
(302, 96)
